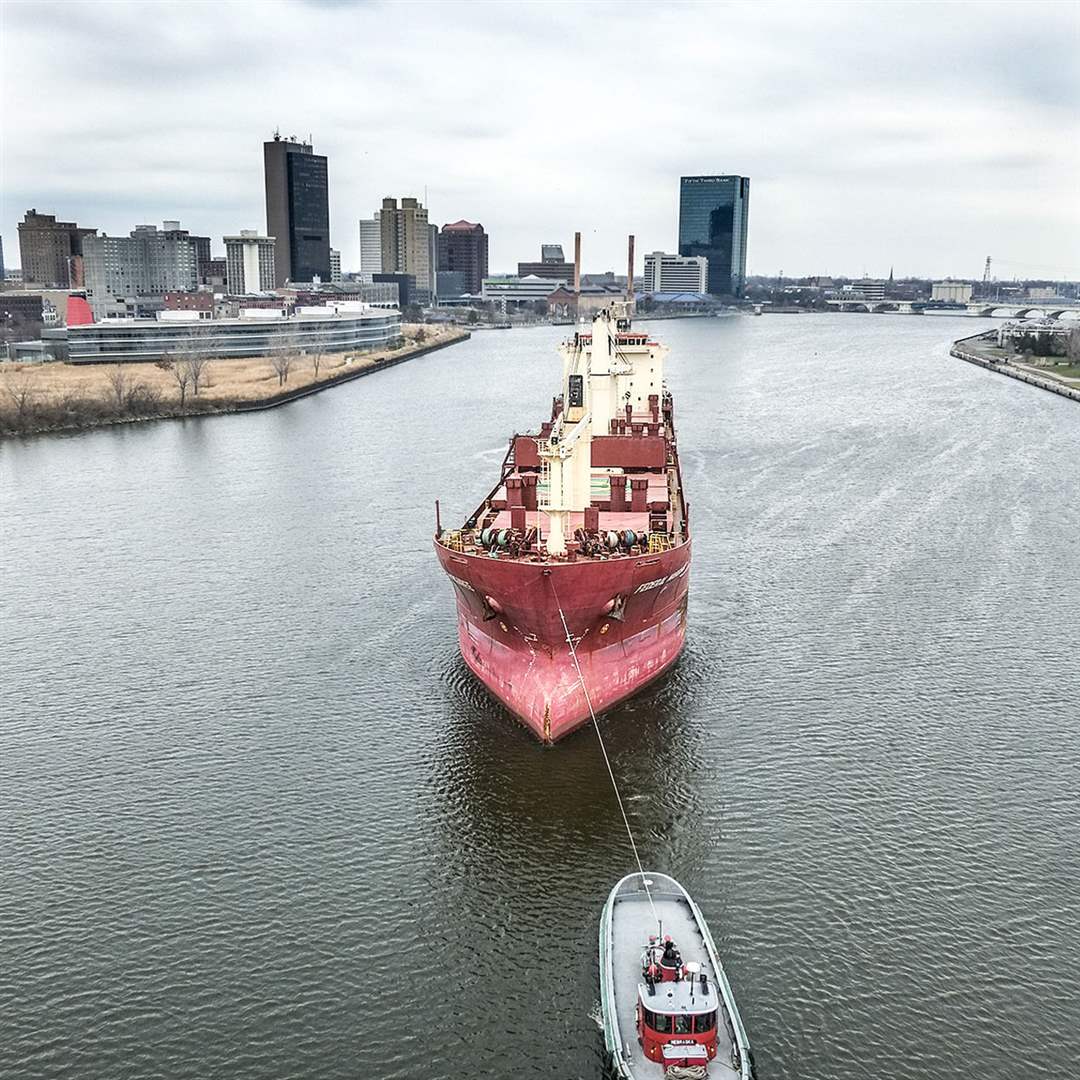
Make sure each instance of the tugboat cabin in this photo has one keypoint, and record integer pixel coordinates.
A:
(676, 1009)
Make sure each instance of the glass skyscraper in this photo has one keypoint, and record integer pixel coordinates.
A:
(712, 222)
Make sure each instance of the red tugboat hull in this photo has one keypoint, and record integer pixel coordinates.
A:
(626, 614)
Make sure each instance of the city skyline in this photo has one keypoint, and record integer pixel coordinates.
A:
(872, 139)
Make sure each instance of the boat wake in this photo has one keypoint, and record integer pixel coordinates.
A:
(596, 1015)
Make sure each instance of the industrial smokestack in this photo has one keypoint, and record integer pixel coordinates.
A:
(630, 270)
(577, 262)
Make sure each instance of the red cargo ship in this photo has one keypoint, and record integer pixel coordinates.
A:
(587, 523)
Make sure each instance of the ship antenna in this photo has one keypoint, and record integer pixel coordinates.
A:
(603, 749)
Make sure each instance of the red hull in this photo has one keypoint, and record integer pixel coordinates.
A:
(512, 637)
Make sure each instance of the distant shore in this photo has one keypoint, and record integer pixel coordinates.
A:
(983, 351)
(40, 398)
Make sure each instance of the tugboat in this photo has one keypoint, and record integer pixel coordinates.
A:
(667, 1007)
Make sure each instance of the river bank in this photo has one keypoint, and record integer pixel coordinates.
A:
(41, 398)
(983, 351)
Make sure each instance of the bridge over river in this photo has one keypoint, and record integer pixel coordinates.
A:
(981, 308)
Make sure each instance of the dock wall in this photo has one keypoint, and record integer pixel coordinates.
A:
(1002, 368)
(286, 396)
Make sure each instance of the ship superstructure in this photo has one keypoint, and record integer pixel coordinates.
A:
(588, 524)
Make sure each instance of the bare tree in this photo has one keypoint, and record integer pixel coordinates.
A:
(1072, 347)
(281, 362)
(318, 348)
(144, 400)
(22, 394)
(283, 355)
(181, 373)
(193, 353)
(118, 381)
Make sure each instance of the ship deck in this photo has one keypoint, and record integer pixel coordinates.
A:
(635, 484)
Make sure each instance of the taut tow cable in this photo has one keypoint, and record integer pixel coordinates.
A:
(603, 749)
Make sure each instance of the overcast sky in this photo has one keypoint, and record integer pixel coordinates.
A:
(919, 136)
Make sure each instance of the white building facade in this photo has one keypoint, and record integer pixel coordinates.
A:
(675, 273)
(371, 246)
(249, 263)
(951, 291)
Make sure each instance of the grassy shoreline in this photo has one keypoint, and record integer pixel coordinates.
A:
(37, 399)
(982, 350)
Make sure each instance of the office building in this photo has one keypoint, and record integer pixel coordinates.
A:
(713, 212)
(297, 210)
(250, 263)
(584, 302)
(47, 248)
(376, 294)
(201, 301)
(335, 267)
(451, 285)
(405, 284)
(518, 290)
(345, 326)
(952, 291)
(217, 273)
(1, 258)
(406, 244)
(463, 249)
(869, 289)
(148, 263)
(201, 244)
(675, 273)
(433, 258)
(22, 312)
(552, 265)
(370, 246)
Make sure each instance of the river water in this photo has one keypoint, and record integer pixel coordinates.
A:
(258, 822)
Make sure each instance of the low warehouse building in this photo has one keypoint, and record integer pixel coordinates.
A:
(344, 327)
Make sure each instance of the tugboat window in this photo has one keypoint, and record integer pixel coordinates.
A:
(683, 1025)
(659, 1022)
(705, 1022)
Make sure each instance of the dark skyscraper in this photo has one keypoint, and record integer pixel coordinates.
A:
(297, 210)
(463, 248)
(712, 222)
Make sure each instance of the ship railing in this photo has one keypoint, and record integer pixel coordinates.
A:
(505, 470)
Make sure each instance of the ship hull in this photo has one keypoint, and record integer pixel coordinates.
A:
(627, 617)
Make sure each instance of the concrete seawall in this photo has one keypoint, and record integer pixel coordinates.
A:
(1002, 368)
(347, 376)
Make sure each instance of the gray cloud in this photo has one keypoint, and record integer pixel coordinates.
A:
(874, 134)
